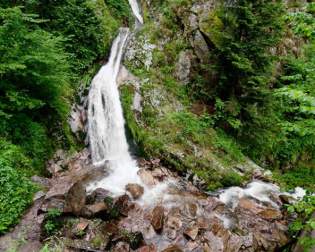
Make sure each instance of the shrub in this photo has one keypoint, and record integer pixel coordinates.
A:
(16, 190)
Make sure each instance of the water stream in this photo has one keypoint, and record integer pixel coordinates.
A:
(106, 125)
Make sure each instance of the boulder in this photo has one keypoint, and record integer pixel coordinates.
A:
(76, 198)
(157, 218)
(98, 209)
(98, 195)
(192, 232)
(146, 177)
(135, 190)
(122, 204)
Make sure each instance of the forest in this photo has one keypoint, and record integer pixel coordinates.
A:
(234, 87)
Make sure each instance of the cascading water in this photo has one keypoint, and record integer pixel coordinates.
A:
(106, 125)
(136, 10)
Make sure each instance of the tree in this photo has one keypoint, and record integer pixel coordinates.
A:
(34, 78)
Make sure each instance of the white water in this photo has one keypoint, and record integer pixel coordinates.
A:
(106, 127)
(258, 190)
(136, 10)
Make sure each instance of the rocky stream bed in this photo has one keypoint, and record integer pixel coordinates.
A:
(182, 218)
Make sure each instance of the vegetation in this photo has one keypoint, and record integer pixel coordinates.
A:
(305, 222)
(52, 224)
(16, 191)
(45, 47)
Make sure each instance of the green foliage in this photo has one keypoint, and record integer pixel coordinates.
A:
(305, 221)
(52, 224)
(245, 31)
(16, 191)
(34, 80)
(231, 179)
(87, 27)
(120, 9)
(301, 176)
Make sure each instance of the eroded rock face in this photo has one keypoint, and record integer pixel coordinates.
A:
(183, 66)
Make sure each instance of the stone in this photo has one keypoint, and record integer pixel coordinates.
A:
(172, 248)
(32, 246)
(157, 218)
(200, 47)
(183, 66)
(76, 198)
(147, 248)
(98, 195)
(135, 190)
(191, 210)
(44, 182)
(122, 204)
(286, 198)
(39, 195)
(82, 225)
(270, 214)
(174, 222)
(121, 247)
(146, 177)
(98, 209)
(192, 232)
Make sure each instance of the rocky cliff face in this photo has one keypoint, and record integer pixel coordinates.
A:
(166, 56)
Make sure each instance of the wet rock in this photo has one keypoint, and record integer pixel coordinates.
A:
(172, 248)
(147, 248)
(192, 245)
(249, 205)
(134, 239)
(214, 243)
(65, 195)
(98, 195)
(191, 209)
(76, 198)
(98, 209)
(157, 219)
(121, 247)
(146, 177)
(122, 205)
(174, 222)
(135, 190)
(192, 232)
(286, 198)
(77, 120)
(270, 214)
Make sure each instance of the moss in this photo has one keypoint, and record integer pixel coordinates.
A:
(302, 176)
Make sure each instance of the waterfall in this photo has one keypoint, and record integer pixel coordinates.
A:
(106, 125)
(136, 10)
